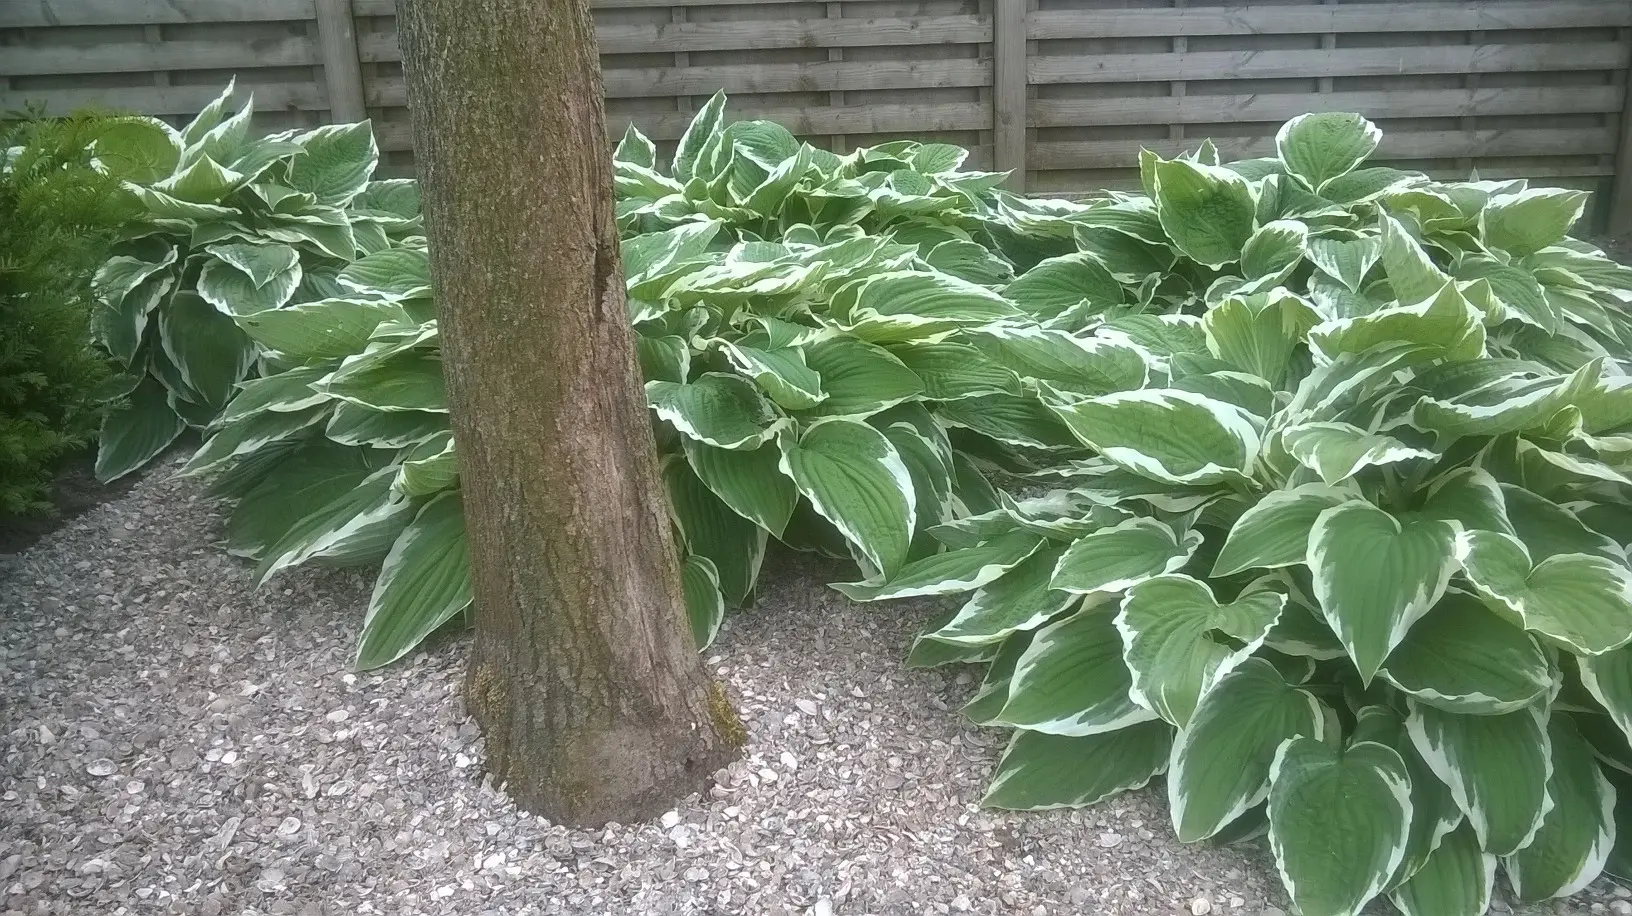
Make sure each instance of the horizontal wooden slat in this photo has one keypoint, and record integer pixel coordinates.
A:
(792, 33)
(164, 100)
(398, 135)
(134, 57)
(388, 7)
(25, 14)
(1416, 60)
(1093, 154)
(1370, 17)
(1275, 107)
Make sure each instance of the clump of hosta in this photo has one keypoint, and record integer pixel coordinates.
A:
(1345, 554)
(231, 225)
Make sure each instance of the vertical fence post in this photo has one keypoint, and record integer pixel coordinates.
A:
(1620, 196)
(342, 68)
(1009, 90)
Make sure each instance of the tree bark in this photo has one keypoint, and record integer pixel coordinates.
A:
(584, 674)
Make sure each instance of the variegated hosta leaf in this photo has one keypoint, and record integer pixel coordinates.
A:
(705, 606)
(1338, 451)
(1116, 558)
(1020, 600)
(709, 528)
(915, 306)
(1457, 879)
(1515, 405)
(1337, 822)
(1258, 333)
(295, 488)
(750, 481)
(1221, 761)
(1463, 658)
(358, 526)
(780, 372)
(1609, 678)
(1171, 628)
(1497, 769)
(208, 350)
(1548, 529)
(394, 274)
(1471, 497)
(1273, 251)
(429, 467)
(1275, 531)
(1041, 771)
(423, 583)
(1446, 324)
(1208, 212)
(1433, 812)
(245, 438)
(951, 572)
(950, 371)
(1168, 435)
(1071, 681)
(1082, 366)
(1375, 575)
(725, 411)
(858, 378)
(327, 329)
(1320, 147)
(856, 479)
(1530, 220)
(1058, 284)
(1412, 274)
(137, 431)
(1577, 832)
(1345, 260)
(1579, 601)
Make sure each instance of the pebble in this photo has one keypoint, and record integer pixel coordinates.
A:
(1200, 906)
(102, 766)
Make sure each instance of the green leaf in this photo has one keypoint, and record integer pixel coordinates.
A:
(328, 329)
(1338, 451)
(781, 372)
(750, 481)
(725, 411)
(636, 148)
(1528, 221)
(1171, 630)
(951, 371)
(914, 306)
(1207, 211)
(1057, 284)
(1319, 147)
(1462, 658)
(1375, 576)
(193, 190)
(1274, 249)
(1578, 601)
(355, 424)
(1258, 334)
(1020, 600)
(1022, 421)
(404, 380)
(859, 378)
(1363, 185)
(295, 488)
(969, 261)
(1496, 767)
(248, 436)
(261, 262)
(1447, 326)
(423, 583)
(1513, 405)
(1548, 529)
(1071, 681)
(1167, 434)
(1346, 260)
(206, 347)
(1608, 677)
(233, 291)
(1117, 558)
(954, 571)
(1275, 532)
(1086, 366)
(1411, 273)
(393, 274)
(137, 431)
(708, 528)
(704, 130)
(663, 359)
(1221, 762)
(1337, 822)
(137, 149)
(855, 478)
(1457, 880)
(359, 526)
(1040, 771)
(285, 391)
(1577, 832)
(1471, 497)
(429, 467)
(338, 160)
(1514, 291)
(705, 606)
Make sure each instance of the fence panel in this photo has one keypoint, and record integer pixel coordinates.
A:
(1063, 91)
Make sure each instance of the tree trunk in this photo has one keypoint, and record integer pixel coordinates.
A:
(584, 675)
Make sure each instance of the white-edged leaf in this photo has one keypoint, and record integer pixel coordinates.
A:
(1338, 451)
(1577, 833)
(1071, 681)
(705, 606)
(1320, 147)
(1497, 769)
(856, 479)
(423, 583)
(954, 571)
(1275, 531)
(1020, 600)
(137, 431)
(1580, 601)
(725, 411)
(1457, 879)
(1461, 657)
(1167, 434)
(1116, 558)
(1041, 771)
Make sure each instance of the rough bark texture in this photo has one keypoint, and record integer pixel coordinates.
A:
(583, 674)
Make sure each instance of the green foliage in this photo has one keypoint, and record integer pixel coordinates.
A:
(229, 226)
(58, 215)
(1349, 544)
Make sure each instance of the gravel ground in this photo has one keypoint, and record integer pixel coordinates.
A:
(176, 742)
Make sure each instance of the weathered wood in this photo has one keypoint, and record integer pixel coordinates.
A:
(1283, 64)
(1367, 17)
(342, 69)
(1266, 107)
(163, 100)
(792, 33)
(1009, 91)
(139, 57)
(29, 14)
(583, 673)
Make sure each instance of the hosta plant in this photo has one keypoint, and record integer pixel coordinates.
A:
(231, 225)
(1345, 558)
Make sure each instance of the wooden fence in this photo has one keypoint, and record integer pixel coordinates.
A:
(1065, 92)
